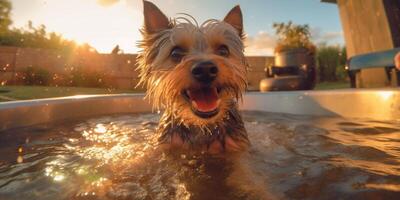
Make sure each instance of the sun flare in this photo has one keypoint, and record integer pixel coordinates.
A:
(101, 25)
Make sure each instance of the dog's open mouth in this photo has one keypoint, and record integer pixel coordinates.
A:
(204, 101)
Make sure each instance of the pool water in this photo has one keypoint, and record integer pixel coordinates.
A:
(117, 157)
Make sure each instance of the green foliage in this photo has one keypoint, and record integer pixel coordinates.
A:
(81, 78)
(36, 76)
(35, 37)
(331, 63)
(292, 36)
(5, 19)
(77, 78)
(38, 37)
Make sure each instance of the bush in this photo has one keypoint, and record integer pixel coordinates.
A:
(331, 63)
(76, 78)
(36, 76)
(81, 78)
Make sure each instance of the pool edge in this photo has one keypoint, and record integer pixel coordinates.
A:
(380, 104)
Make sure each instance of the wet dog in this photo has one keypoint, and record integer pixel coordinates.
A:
(196, 74)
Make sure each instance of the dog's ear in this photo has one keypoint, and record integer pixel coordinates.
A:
(234, 18)
(154, 19)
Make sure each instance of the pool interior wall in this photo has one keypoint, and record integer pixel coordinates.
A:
(379, 104)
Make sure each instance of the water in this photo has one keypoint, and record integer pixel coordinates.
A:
(116, 157)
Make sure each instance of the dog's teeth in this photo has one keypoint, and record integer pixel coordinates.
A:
(194, 104)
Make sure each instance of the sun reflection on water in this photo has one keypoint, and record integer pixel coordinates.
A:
(104, 149)
(116, 157)
(100, 128)
(110, 145)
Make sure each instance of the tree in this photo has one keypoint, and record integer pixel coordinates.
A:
(33, 36)
(292, 36)
(39, 37)
(5, 19)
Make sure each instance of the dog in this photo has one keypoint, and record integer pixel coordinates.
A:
(197, 75)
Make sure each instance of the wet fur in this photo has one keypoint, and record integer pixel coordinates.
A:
(165, 80)
(203, 137)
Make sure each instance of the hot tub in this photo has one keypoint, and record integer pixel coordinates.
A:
(305, 144)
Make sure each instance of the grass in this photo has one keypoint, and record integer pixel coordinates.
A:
(332, 85)
(8, 93)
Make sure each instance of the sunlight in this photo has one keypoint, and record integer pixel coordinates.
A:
(385, 95)
(103, 27)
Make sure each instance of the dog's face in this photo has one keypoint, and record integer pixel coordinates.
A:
(194, 71)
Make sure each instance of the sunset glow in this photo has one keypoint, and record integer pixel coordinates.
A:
(105, 23)
(88, 21)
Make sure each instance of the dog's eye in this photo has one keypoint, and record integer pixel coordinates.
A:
(177, 54)
(223, 51)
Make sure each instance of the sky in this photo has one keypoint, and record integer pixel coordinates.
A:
(106, 23)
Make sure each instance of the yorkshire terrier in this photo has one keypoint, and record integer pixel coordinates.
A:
(197, 74)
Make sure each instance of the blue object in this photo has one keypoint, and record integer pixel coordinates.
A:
(373, 60)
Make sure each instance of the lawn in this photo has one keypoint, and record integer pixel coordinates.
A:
(332, 85)
(8, 93)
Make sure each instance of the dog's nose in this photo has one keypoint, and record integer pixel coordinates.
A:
(205, 72)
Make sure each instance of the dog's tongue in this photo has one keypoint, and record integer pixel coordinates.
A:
(205, 99)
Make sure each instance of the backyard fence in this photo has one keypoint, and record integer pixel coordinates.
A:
(49, 67)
